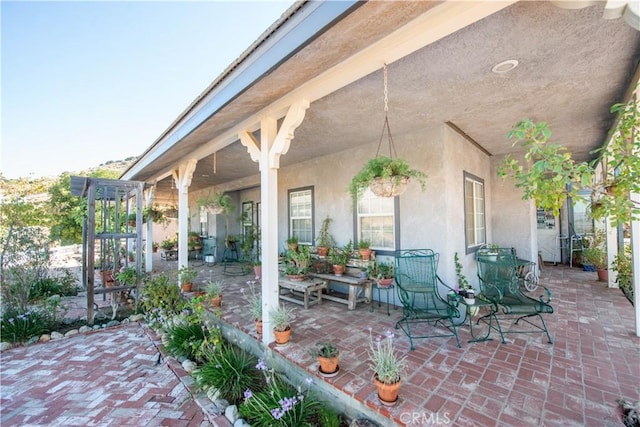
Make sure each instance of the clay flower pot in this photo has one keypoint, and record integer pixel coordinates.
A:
(282, 337)
(217, 301)
(328, 365)
(259, 327)
(186, 287)
(387, 393)
(323, 251)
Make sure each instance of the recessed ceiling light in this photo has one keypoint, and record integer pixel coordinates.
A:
(505, 66)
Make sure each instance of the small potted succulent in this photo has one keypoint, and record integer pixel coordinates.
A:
(327, 354)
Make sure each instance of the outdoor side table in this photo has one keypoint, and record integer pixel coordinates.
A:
(387, 290)
(472, 309)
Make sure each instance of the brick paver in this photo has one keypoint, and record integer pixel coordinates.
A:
(110, 377)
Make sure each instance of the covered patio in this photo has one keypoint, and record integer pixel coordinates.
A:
(594, 359)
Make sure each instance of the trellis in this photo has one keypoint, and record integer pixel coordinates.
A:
(110, 241)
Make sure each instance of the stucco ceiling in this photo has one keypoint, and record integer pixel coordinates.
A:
(573, 65)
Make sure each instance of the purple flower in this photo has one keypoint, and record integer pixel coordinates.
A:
(262, 365)
(277, 413)
(389, 334)
(247, 394)
(309, 380)
(11, 320)
(242, 291)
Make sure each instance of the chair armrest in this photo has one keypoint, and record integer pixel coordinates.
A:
(548, 295)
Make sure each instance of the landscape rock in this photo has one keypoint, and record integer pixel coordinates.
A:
(112, 323)
(188, 365)
(84, 329)
(55, 335)
(45, 338)
(96, 327)
(5, 346)
(125, 321)
(231, 413)
(241, 423)
(71, 333)
(222, 404)
(136, 317)
(213, 394)
(32, 340)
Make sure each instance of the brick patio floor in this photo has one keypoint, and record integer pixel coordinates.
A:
(594, 360)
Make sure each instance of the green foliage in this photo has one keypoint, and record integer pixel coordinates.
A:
(364, 244)
(463, 283)
(341, 255)
(184, 339)
(328, 417)
(127, 276)
(298, 262)
(622, 176)
(383, 167)
(324, 237)
(622, 265)
(65, 285)
(381, 270)
(281, 317)
(230, 370)
(549, 174)
(187, 274)
(279, 404)
(18, 326)
(161, 294)
(254, 300)
(213, 288)
(386, 365)
(324, 349)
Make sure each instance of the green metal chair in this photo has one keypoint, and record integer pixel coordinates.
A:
(500, 283)
(418, 289)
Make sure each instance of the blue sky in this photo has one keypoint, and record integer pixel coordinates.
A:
(87, 82)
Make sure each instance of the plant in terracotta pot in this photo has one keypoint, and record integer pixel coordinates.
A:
(292, 243)
(339, 256)
(254, 304)
(387, 366)
(327, 354)
(186, 275)
(382, 273)
(298, 263)
(385, 176)
(281, 317)
(364, 249)
(595, 253)
(213, 289)
(325, 240)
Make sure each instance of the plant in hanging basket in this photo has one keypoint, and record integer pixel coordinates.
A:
(217, 203)
(386, 176)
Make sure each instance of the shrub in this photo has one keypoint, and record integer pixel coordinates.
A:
(279, 404)
(230, 370)
(65, 285)
(17, 326)
(161, 292)
(185, 339)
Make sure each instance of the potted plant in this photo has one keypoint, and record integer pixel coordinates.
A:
(213, 289)
(339, 256)
(168, 244)
(385, 176)
(298, 263)
(292, 242)
(254, 303)
(155, 246)
(219, 203)
(382, 273)
(388, 368)
(465, 290)
(622, 266)
(127, 276)
(327, 354)
(595, 254)
(187, 274)
(324, 240)
(281, 319)
(364, 249)
(194, 241)
(155, 214)
(131, 219)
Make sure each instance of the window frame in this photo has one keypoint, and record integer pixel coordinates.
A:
(469, 246)
(396, 228)
(312, 218)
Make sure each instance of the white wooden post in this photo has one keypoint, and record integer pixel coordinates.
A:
(635, 263)
(182, 177)
(148, 260)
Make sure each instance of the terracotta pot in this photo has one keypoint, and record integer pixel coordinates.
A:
(603, 275)
(259, 327)
(338, 270)
(328, 365)
(365, 254)
(293, 247)
(257, 271)
(323, 251)
(107, 277)
(282, 337)
(199, 293)
(296, 277)
(385, 283)
(387, 393)
(217, 301)
(186, 287)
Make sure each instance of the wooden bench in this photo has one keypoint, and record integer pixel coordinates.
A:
(359, 289)
(301, 292)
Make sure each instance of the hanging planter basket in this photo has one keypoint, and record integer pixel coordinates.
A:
(171, 213)
(215, 210)
(389, 187)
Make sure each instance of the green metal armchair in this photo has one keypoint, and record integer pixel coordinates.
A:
(418, 289)
(500, 283)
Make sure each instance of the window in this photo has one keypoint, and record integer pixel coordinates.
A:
(376, 221)
(301, 215)
(474, 217)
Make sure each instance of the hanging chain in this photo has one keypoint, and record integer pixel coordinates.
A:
(386, 90)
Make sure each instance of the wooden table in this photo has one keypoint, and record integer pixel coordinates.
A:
(301, 292)
(357, 287)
